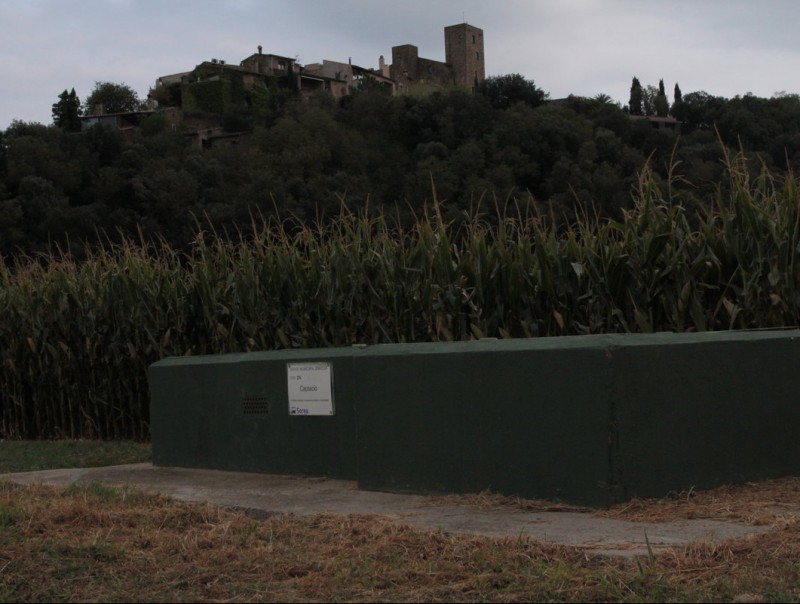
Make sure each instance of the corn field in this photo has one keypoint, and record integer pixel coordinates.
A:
(76, 338)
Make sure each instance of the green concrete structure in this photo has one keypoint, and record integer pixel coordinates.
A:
(586, 419)
(702, 410)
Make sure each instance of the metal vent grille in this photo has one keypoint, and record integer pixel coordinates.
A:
(254, 405)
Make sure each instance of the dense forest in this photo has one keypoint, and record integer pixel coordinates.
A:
(302, 158)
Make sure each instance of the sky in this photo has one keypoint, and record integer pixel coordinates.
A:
(581, 47)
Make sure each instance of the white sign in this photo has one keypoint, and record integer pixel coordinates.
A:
(310, 388)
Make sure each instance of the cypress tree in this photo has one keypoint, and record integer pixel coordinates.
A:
(635, 102)
(677, 110)
(661, 102)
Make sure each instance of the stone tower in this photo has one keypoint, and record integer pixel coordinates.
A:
(463, 47)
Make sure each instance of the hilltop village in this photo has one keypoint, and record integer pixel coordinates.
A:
(194, 100)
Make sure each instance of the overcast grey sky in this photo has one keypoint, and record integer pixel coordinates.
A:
(583, 47)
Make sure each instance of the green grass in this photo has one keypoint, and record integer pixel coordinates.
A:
(28, 455)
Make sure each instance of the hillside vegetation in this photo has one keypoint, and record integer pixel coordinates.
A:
(301, 158)
(78, 335)
(438, 217)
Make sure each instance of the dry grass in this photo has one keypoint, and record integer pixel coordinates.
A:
(769, 502)
(100, 543)
(762, 503)
(487, 500)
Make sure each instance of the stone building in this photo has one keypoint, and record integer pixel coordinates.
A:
(352, 75)
(215, 89)
(464, 63)
(463, 47)
(268, 64)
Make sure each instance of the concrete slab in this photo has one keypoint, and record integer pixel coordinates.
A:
(262, 495)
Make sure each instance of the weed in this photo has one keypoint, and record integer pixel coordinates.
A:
(104, 493)
(9, 515)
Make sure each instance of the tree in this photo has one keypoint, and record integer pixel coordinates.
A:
(113, 98)
(700, 110)
(67, 111)
(43, 208)
(635, 102)
(649, 94)
(3, 153)
(505, 90)
(661, 103)
(677, 103)
(370, 84)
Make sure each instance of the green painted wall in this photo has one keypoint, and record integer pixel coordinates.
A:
(589, 420)
(521, 417)
(231, 413)
(701, 410)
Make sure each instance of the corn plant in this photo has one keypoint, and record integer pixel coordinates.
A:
(76, 338)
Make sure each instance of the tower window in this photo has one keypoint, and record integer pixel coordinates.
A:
(473, 39)
(478, 56)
